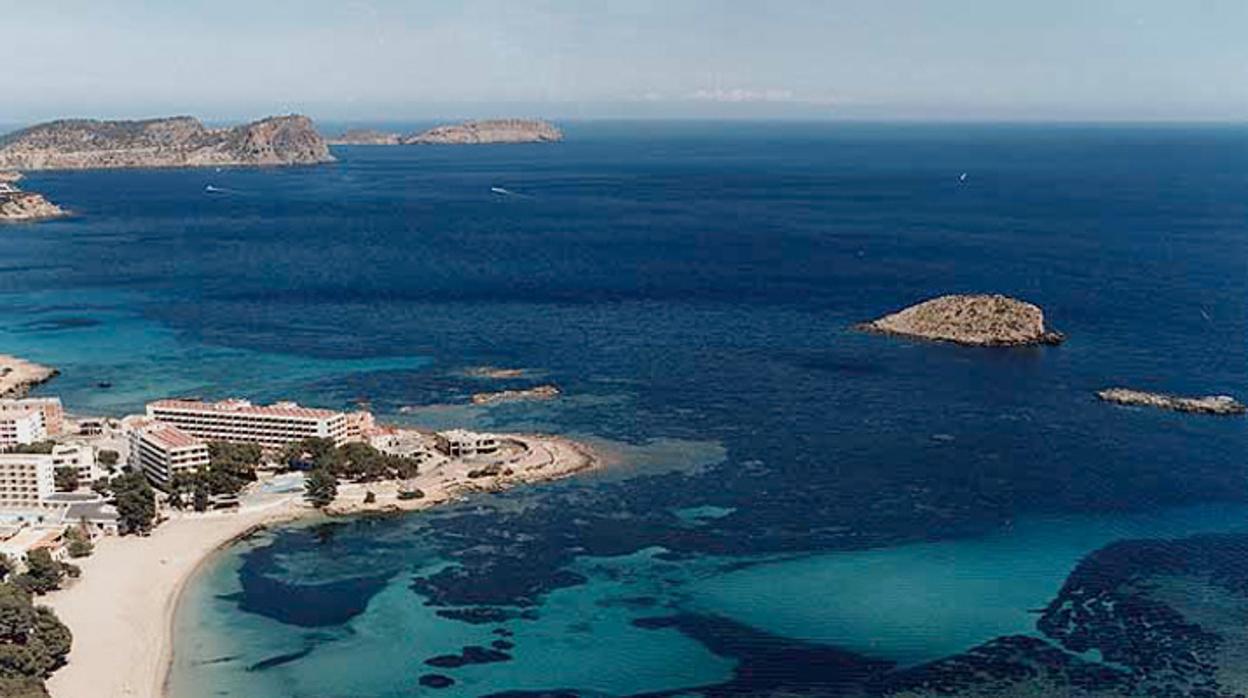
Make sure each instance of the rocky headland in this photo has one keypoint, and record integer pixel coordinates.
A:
(488, 131)
(980, 320)
(1224, 405)
(365, 136)
(18, 376)
(25, 206)
(180, 141)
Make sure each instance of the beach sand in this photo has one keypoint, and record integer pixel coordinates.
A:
(121, 609)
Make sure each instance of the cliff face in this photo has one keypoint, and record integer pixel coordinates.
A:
(489, 131)
(976, 320)
(174, 142)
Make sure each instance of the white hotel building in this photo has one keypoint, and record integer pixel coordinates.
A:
(21, 427)
(52, 414)
(162, 450)
(271, 426)
(26, 480)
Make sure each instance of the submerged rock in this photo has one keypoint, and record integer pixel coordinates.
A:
(1209, 404)
(973, 320)
(436, 681)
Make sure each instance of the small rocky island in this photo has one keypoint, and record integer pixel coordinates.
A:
(180, 141)
(467, 133)
(980, 320)
(365, 136)
(489, 131)
(541, 392)
(24, 206)
(1224, 405)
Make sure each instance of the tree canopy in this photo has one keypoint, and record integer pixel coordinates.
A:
(135, 500)
(33, 643)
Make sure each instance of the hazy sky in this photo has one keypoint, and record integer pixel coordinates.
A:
(927, 59)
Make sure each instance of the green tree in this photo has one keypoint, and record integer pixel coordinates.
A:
(320, 487)
(79, 542)
(107, 458)
(100, 487)
(313, 452)
(135, 501)
(43, 574)
(37, 447)
(33, 643)
(66, 479)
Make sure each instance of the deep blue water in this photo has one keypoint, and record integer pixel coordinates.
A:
(691, 287)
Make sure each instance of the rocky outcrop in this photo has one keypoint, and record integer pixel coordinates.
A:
(489, 131)
(25, 206)
(541, 392)
(365, 136)
(974, 320)
(1209, 404)
(17, 205)
(18, 376)
(173, 142)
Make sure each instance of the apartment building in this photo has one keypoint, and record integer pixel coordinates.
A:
(80, 457)
(51, 408)
(26, 480)
(21, 427)
(161, 450)
(271, 426)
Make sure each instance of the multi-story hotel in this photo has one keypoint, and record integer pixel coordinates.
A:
(26, 480)
(80, 457)
(271, 426)
(21, 427)
(161, 450)
(50, 407)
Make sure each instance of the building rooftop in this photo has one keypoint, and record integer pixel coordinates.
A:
(93, 512)
(278, 409)
(170, 436)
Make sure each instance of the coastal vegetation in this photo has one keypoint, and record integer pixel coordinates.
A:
(320, 488)
(33, 643)
(135, 501)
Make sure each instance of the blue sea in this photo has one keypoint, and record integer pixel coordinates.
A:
(794, 504)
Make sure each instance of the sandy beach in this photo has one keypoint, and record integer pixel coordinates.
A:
(18, 376)
(121, 610)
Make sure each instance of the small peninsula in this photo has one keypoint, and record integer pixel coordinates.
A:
(18, 376)
(24, 206)
(489, 131)
(1223, 405)
(982, 320)
(180, 141)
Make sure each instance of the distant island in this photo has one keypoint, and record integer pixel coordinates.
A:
(973, 320)
(1209, 404)
(466, 133)
(22, 206)
(180, 141)
(365, 136)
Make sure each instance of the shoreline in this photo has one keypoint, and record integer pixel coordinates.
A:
(123, 609)
(18, 376)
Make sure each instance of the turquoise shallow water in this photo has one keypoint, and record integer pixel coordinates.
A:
(691, 289)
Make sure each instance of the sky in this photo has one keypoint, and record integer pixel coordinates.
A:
(352, 60)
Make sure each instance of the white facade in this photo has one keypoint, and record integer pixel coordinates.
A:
(271, 426)
(161, 450)
(458, 443)
(50, 407)
(80, 457)
(26, 480)
(21, 427)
